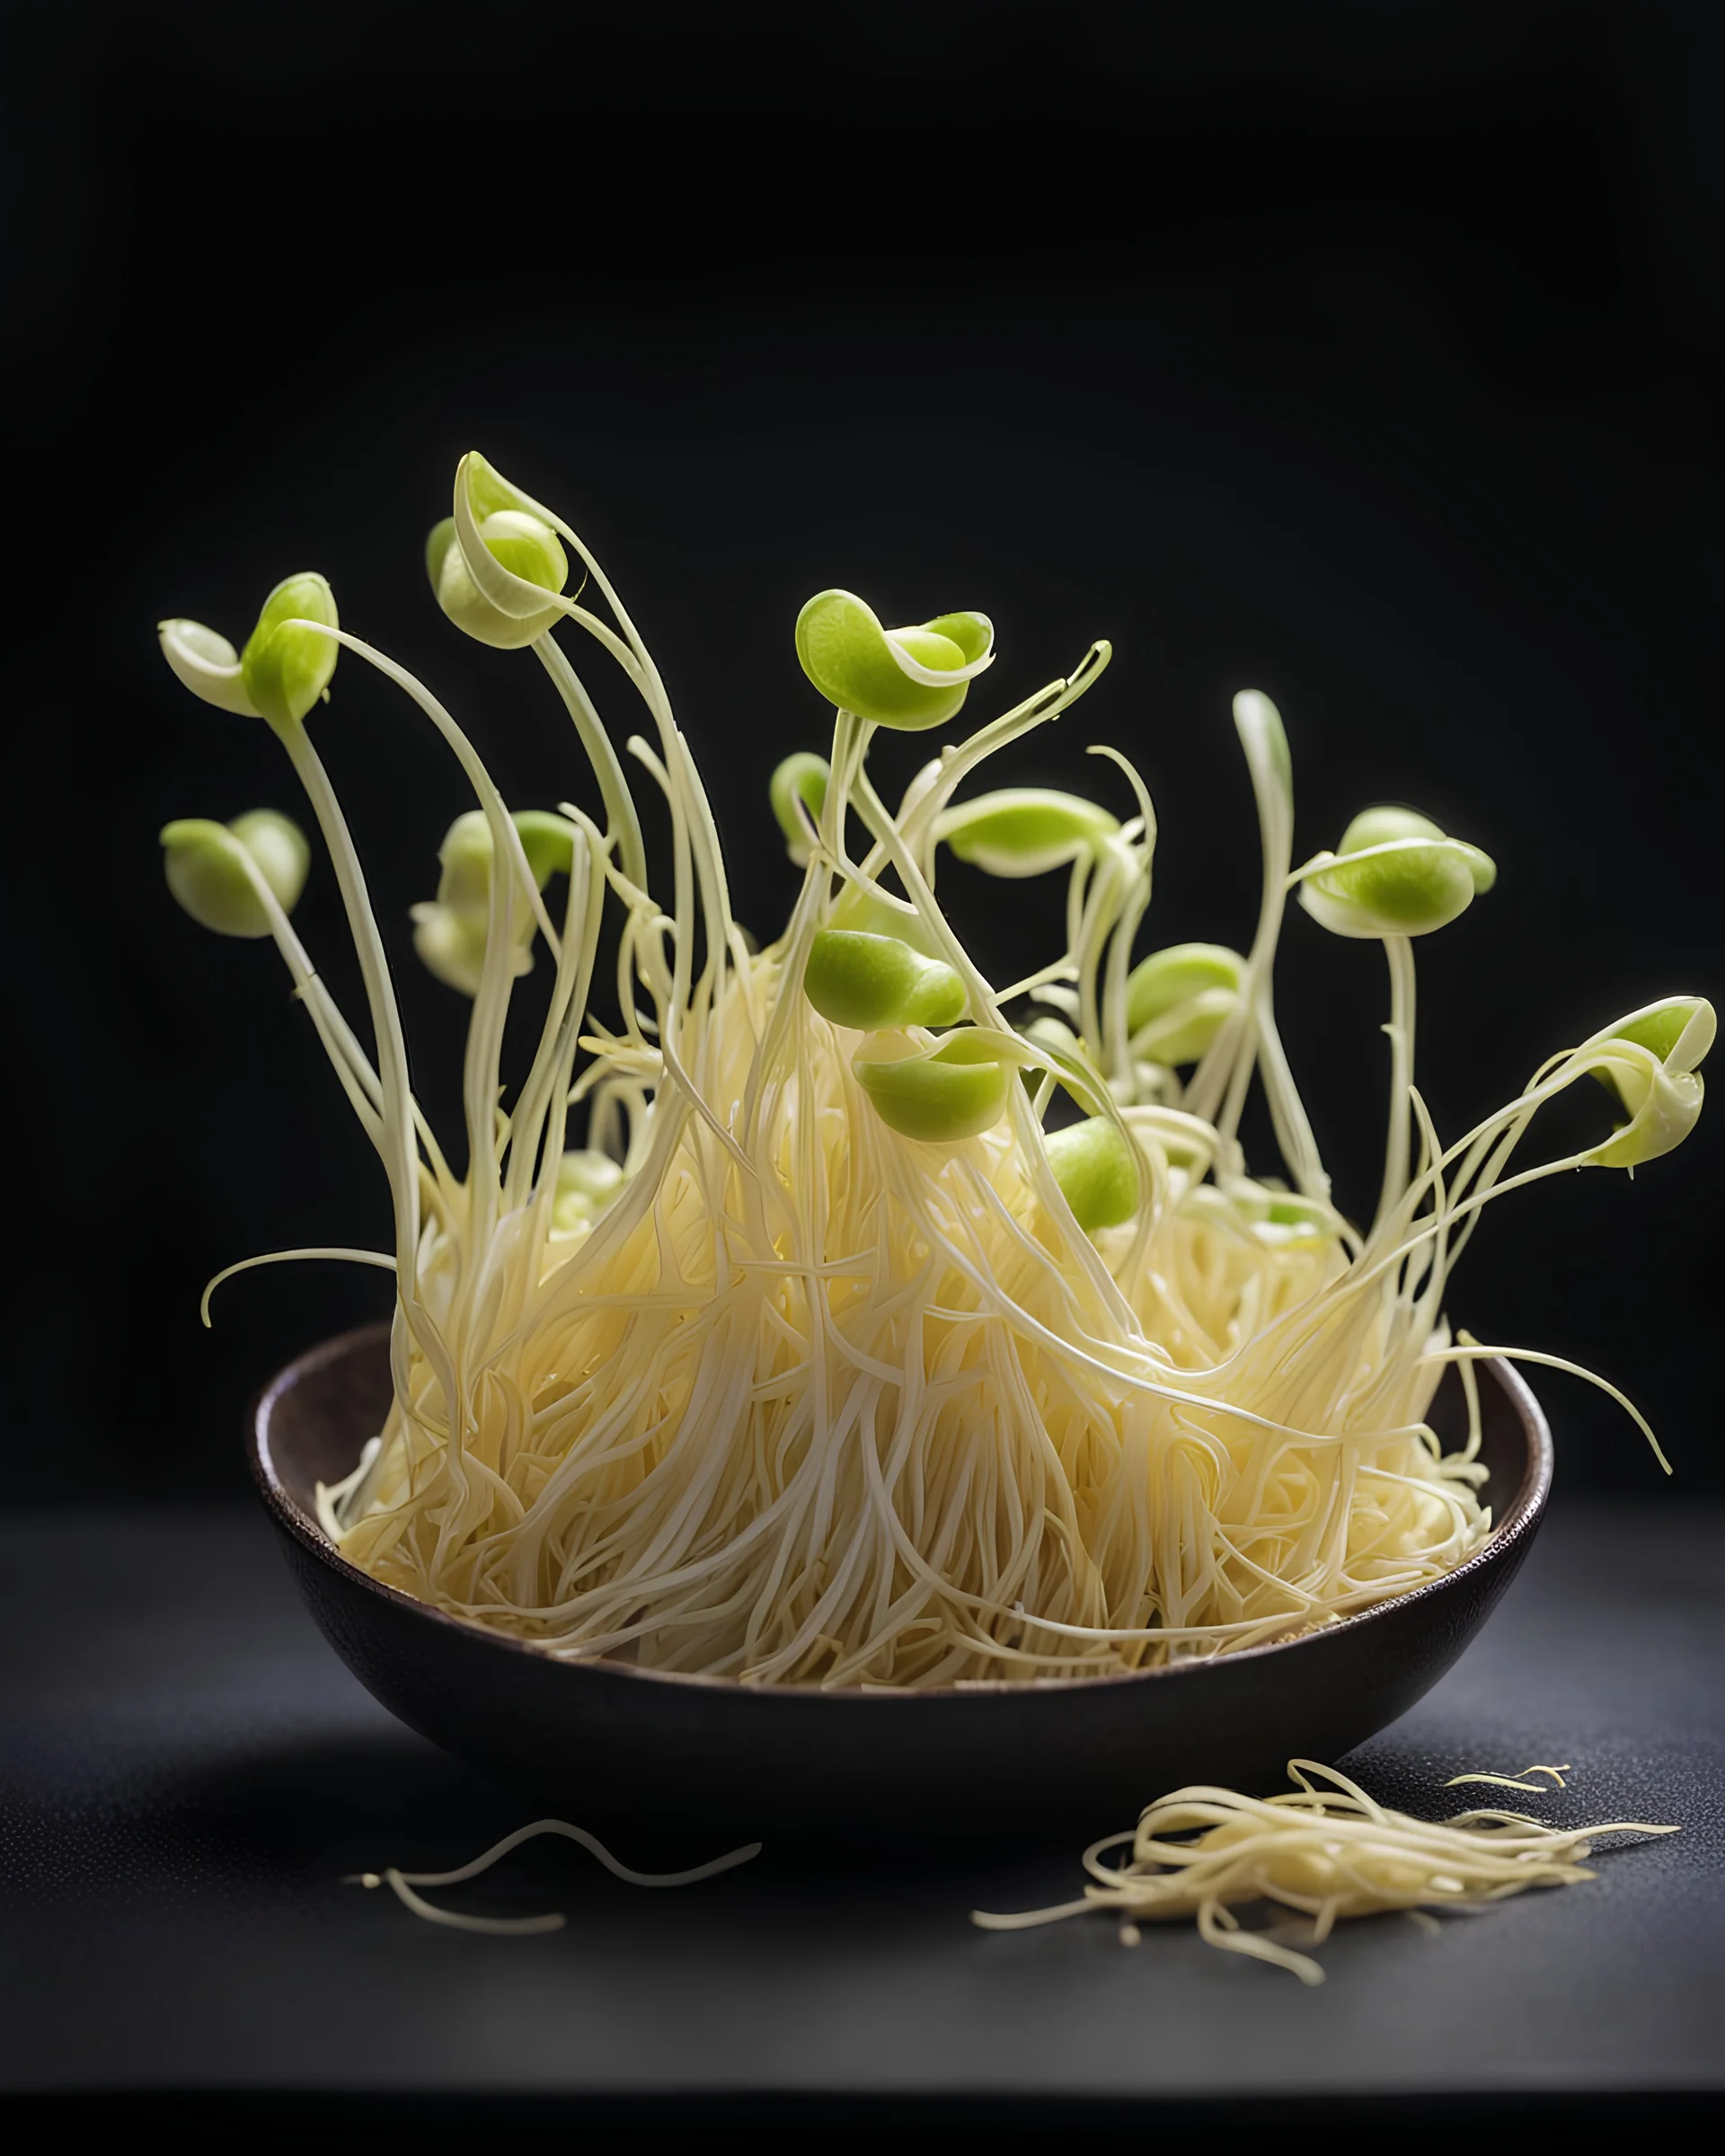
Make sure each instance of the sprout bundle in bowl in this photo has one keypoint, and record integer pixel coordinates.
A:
(827, 1314)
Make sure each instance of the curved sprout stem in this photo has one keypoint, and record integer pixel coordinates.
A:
(1399, 951)
(613, 788)
(380, 1259)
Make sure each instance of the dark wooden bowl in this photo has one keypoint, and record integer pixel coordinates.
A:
(611, 1745)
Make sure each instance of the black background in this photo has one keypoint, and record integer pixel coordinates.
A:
(1366, 354)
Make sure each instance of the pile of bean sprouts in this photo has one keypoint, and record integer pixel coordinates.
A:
(703, 1362)
(1324, 1852)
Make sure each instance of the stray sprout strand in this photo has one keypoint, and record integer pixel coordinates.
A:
(342, 1253)
(1512, 1782)
(822, 1313)
(402, 1883)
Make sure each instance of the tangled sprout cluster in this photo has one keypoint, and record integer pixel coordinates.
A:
(1322, 1849)
(826, 1313)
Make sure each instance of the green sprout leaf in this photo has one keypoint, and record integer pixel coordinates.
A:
(452, 949)
(956, 1092)
(1178, 1000)
(1053, 1035)
(876, 913)
(1383, 825)
(492, 563)
(1097, 1172)
(802, 777)
(1396, 873)
(1650, 1062)
(205, 868)
(871, 982)
(1024, 830)
(208, 664)
(907, 678)
(450, 932)
(587, 1183)
(527, 561)
(285, 666)
(548, 842)
(1660, 1027)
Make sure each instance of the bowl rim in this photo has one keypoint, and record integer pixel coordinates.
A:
(1516, 1520)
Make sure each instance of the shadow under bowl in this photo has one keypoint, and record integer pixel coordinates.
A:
(613, 1745)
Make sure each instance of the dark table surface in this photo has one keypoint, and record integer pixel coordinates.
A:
(189, 1770)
